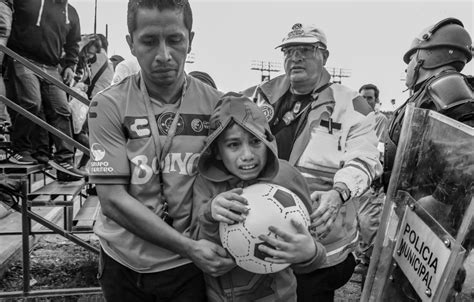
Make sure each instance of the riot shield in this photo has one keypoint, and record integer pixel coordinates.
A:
(423, 247)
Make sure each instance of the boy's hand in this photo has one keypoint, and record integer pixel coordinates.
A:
(229, 207)
(289, 247)
(211, 258)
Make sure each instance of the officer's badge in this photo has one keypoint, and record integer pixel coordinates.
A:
(297, 26)
(296, 30)
(268, 111)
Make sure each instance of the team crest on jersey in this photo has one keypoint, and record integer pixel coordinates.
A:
(268, 111)
(197, 125)
(166, 119)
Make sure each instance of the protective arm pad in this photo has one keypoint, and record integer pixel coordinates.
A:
(450, 90)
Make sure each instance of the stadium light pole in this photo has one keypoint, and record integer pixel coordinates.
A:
(338, 73)
(265, 68)
(190, 58)
(95, 17)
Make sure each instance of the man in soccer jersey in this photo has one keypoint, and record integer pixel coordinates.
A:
(146, 133)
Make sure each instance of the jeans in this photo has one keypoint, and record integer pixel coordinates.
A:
(47, 102)
(180, 284)
(83, 138)
(5, 29)
(321, 284)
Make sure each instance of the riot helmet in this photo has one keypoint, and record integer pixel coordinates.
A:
(444, 43)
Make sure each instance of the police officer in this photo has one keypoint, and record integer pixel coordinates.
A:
(435, 60)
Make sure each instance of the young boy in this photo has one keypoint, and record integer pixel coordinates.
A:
(240, 151)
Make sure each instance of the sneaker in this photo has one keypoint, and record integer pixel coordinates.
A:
(41, 158)
(22, 158)
(65, 171)
(66, 177)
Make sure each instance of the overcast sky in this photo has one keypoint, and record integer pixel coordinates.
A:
(366, 38)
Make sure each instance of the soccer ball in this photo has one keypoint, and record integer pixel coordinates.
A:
(269, 204)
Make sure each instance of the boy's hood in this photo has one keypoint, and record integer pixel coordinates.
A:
(244, 112)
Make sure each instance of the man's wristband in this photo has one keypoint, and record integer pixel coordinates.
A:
(344, 194)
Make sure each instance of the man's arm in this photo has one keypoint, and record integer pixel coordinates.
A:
(106, 130)
(128, 212)
(71, 46)
(361, 157)
(361, 167)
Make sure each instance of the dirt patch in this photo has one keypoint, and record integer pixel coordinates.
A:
(55, 263)
(351, 291)
(58, 264)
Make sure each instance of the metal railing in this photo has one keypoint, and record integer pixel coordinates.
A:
(43, 74)
(27, 214)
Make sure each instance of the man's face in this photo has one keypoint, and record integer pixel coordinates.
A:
(369, 96)
(304, 63)
(243, 154)
(92, 52)
(161, 43)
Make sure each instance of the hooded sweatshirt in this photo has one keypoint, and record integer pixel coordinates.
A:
(214, 178)
(42, 29)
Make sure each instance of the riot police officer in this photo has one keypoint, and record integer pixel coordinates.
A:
(435, 60)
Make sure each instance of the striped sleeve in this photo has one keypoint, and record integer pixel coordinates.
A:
(361, 159)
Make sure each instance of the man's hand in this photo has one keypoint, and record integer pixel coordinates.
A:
(68, 75)
(324, 216)
(211, 258)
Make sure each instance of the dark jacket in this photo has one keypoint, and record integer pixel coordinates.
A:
(213, 178)
(43, 29)
(448, 92)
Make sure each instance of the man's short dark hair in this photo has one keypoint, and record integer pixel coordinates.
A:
(370, 86)
(182, 5)
(103, 41)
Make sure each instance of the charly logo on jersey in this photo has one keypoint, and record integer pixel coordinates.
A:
(166, 119)
(267, 110)
(138, 127)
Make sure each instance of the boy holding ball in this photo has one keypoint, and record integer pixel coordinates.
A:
(240, 151)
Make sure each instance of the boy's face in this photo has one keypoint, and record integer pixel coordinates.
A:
(243, 154)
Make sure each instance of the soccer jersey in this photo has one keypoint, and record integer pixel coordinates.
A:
(123, 152)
